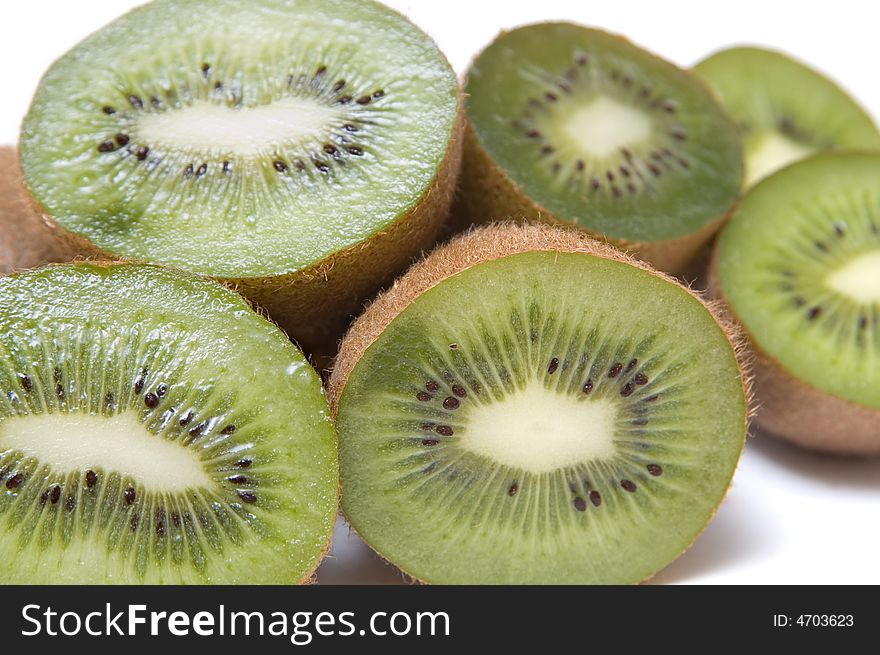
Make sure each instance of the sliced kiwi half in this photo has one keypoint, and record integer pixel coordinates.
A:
(528, 405)
(25, 240)
(305, 151)
(799, 266)
(155, 429)
(580, 126)
(785, 110)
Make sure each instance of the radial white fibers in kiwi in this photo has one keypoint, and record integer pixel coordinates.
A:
(529, 406)
(155, 429)
(799, 266)
(785, 110)
(303, 149)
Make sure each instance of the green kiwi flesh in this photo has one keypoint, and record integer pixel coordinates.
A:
(155, 429)
(578, 422)
(799, 265)
(598, 132)
(785, 110)
(302, 151)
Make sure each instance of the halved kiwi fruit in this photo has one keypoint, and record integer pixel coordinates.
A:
(580, 126)
(25, 241)
(155, 429)
(799, 266)
(303, 151)
(528, 405)
(785, 110)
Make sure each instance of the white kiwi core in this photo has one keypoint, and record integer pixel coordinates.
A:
(859, 278)
(119, 443)
(604, 126)
(771, 152)
(245, 132)
(540, 430)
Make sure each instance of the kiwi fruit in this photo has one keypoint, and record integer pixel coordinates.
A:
(574, 125)
(25, 241)
(303, 152)
(785, 110)
(155, 429)
(578, 422)
(799, 267)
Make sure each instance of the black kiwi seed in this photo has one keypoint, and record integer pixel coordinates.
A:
(107, 109)
(330, 149)
(338, 86)
(151, 400)
(186, 419)
(554, 364)
(348, 127)
(55, 494)
(70, 503)
(378, 93)
(229, 429)
(198, 429)
(580, 504)
(106, 146)
(631, 365)
(363, 100)
(44, 497)
(627, 389)
(161, 390)
(451, 403)
(615, 370)
(640, 379)
(343, 100)
(243, 463)
(512, 489)
(133, 522)
(595, 498)
(814, 312)
(459, 391)
(588, 386)
(237, 479)
(628, 485)
(202, 170)
(279, 165)
(321, 166)
(226, 166)
(206, 70)
(141, 153)
(654, 469)
(445, 430)
(121, 139)
(651, 399)
(139, 382)
(423, 396)
(91, 478)
(188, 171)
(431, 386)
(25, 382)
(136, 102)
(430, 442)
(15, 481)
(247, 496)
(129, 496)
(355, 150)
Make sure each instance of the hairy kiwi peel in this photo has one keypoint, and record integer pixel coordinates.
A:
(486, 193)
(797, 411)
(487, 243)
(25, 240)
(314, 305)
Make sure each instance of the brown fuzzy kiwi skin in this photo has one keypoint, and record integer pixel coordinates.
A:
(314, 306)
(799, 412)
(25, 240)
(487, 193)
(489, 242)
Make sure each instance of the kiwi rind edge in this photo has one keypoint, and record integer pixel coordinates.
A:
(493, 241)
(25, 241)
(313, 305)
(795, 410)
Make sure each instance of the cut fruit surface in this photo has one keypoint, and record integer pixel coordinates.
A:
(579, 423)
(154, 429)
(799, 265)
(785, 110)
(592, 130)
(258, 139)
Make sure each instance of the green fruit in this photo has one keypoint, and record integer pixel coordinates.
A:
(154, 429)
(303, 151)
(785, 109)
(575, 125)
(799, 266)
(528, 405)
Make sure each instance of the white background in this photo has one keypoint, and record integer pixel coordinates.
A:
(791, 516)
